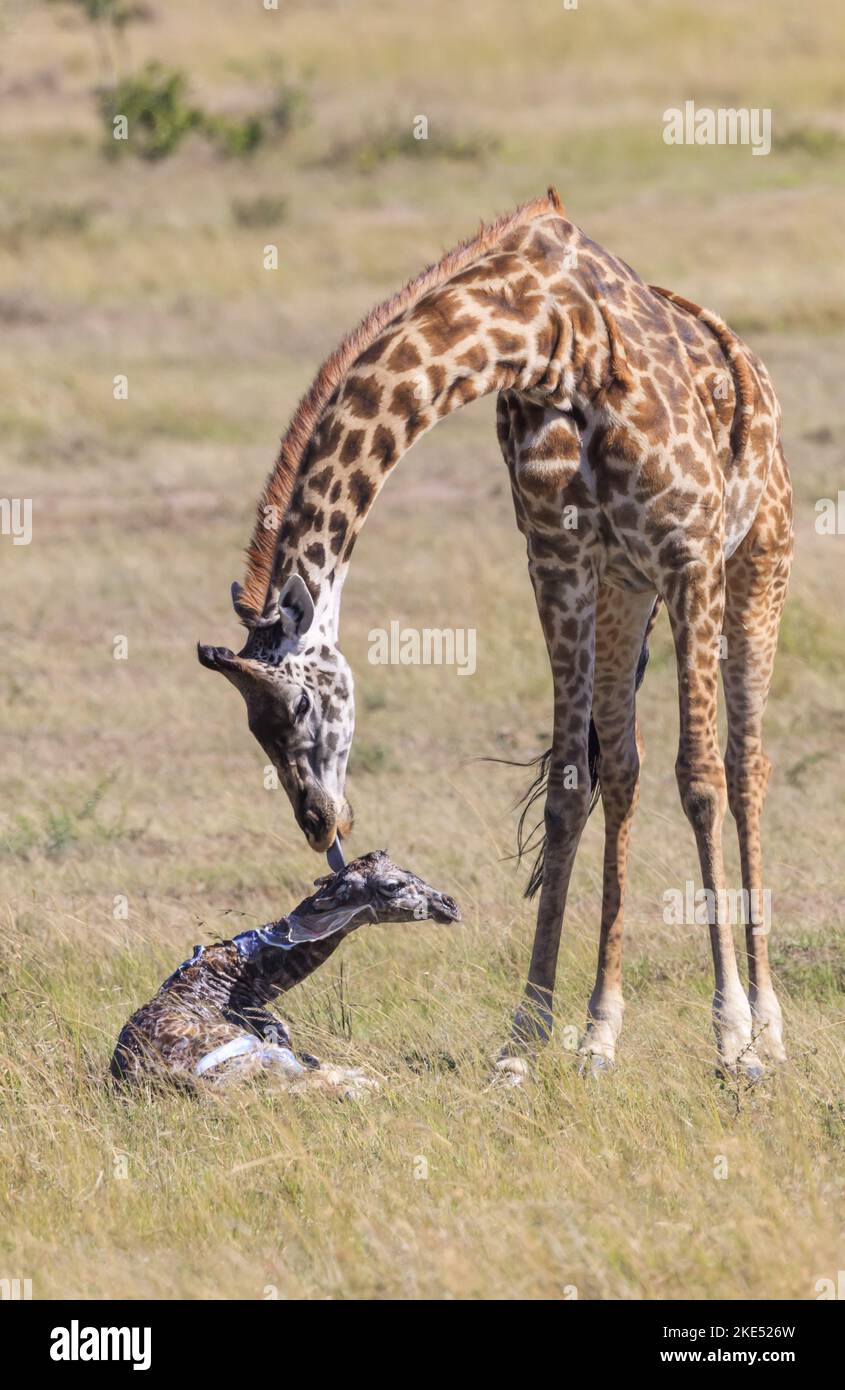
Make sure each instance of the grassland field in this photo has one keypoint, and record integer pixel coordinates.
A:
(138, 777)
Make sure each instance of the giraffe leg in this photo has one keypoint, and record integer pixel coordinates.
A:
(622, 623)
(247, 1057)
(271, 1029)
(265, 1025)
(346, 1083)
(569, 622)
(542, 448)
(695, 600)
(757, 577)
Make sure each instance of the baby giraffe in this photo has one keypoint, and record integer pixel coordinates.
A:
(208, 1022)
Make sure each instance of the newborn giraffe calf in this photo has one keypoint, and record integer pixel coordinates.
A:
(208, 1022)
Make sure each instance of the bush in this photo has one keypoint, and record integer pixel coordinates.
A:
(262, 211)
(820, 142)
(289, 108)
(233, 137)
(156, 110)
(366, 152)
(158, 116)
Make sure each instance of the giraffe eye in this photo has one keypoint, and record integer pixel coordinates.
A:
(391, 885)
(302, 707)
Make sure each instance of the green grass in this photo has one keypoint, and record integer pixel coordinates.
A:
(138, 778)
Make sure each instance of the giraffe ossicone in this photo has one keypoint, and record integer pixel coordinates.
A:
(650, 426)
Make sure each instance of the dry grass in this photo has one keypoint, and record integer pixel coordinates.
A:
(140, 778)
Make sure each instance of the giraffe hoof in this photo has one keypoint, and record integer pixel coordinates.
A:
(771, 1046)
(747, 1068)
(752, 1070)
(510, 1071)
(774, 1058)
(346, 1083)
(594, 1064)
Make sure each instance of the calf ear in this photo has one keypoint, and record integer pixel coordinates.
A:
(296, 608)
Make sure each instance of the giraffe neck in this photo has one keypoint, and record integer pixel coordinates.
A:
(277, 969)
(254, 967)
(497, 325)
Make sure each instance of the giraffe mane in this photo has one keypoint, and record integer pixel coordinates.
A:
(278, 488)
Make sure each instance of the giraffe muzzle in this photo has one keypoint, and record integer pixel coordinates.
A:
(442, 908)
(216, 658)
(319, 818)
(319, 829)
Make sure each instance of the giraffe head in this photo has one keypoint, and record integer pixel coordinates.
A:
(369, 889)
(298, 691)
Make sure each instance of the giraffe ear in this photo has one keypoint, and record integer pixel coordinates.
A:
(296, 608)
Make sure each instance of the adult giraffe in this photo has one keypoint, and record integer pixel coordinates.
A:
(643, 443)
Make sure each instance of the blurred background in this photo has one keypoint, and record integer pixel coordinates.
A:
(136, 779)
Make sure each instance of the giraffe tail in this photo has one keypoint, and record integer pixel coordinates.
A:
(736, 354)
(527, 840)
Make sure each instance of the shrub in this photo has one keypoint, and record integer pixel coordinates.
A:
(159, 115)
(156, 109)
(234, 137)
(289, 107)
(366, 152)
(263, 211)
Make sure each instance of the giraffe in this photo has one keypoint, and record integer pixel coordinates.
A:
(642, 439)
(208, 1023)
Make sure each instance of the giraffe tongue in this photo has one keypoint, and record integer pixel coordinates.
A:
(334, 855)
